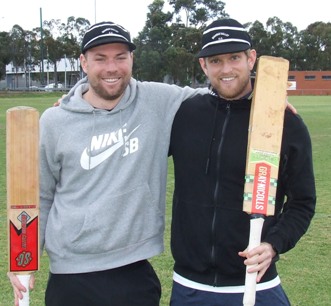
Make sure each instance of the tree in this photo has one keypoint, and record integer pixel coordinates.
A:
(180, 58)
(276, 39)
(151, 43)
(167, 47)
(188, 36)
(198, 12)
(260, 37)
(64, 40)
(72, 35)
(71, 40)
(315, 47)
(282, 36)
(5, 55)
(17, 49)
(30, 51)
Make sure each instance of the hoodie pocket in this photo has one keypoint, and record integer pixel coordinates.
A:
(121, 221)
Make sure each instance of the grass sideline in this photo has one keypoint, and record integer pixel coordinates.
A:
(304, 271)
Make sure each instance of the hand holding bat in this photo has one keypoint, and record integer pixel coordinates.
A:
(22, 165)
(263, 156)
(259, 259)
(19, 289)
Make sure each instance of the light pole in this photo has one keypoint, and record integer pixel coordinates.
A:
(95, 11)
(41, 47)
(65, 71)
(29, 60)
(47, 66)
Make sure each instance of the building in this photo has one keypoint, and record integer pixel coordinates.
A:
(23, 77)
(303, 83)
(309, 83)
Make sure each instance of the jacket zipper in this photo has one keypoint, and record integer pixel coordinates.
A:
(216, 192)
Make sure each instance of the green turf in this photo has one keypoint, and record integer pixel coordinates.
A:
(304, 271)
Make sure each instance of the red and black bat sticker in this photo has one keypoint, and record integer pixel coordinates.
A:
(24, 244)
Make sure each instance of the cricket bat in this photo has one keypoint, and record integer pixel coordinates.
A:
(22, 160)
(263, 152)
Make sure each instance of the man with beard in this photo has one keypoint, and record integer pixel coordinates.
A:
(210, 231)
(103, 170)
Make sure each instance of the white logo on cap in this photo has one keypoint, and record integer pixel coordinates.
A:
(109, 30)
(220, 34)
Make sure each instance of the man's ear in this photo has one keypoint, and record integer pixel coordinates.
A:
(83, 62)
(252, 58)
(202, 62)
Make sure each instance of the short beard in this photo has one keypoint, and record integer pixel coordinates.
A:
(105, 95)
(102, 93)
(236, 94)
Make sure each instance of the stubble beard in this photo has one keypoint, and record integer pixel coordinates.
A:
(237, 92)
(106, 95)
(109, 95)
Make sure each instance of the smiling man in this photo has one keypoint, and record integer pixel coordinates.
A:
(210, 231)
(104, 154)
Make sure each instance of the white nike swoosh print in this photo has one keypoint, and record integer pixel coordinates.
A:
(89, 162)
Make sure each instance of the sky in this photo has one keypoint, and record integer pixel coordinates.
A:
(132, 13)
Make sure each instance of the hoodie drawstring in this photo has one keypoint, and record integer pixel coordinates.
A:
(92, 133)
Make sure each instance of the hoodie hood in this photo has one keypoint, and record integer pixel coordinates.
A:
(75, 102)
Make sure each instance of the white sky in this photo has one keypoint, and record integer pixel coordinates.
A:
(132, 13)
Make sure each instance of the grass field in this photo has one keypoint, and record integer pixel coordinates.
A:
(305, 270)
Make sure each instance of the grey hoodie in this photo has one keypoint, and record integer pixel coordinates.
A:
(103, 177)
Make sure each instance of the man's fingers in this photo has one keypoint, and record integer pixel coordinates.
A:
(291, 107)
(58, 102)
(18, 288)
(18, 293)
(32, 281)
(15, 281)
(261, 273)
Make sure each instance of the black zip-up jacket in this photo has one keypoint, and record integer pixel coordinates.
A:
(209, 228)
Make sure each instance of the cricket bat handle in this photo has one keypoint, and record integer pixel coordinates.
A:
(25, 280)
(256, 225)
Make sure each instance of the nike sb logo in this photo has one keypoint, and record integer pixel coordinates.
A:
(105, 145)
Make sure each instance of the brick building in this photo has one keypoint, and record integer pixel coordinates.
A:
(309, 83)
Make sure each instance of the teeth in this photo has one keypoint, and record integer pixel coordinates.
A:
(228, 79)
(110, 80)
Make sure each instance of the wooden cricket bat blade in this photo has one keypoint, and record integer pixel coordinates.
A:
(263, 152)
(22, 169)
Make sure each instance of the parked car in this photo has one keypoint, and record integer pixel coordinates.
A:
(35, 88)
(51, 87)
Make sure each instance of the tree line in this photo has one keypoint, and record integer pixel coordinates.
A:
(168, 43)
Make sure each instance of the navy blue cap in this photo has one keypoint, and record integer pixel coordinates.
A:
(224, 36)
(106, 33)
